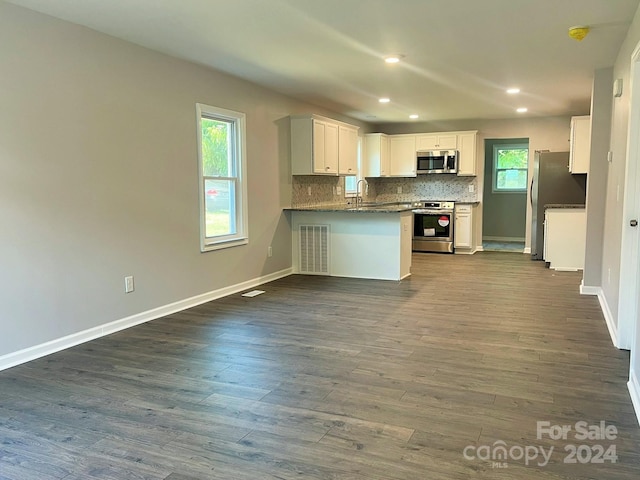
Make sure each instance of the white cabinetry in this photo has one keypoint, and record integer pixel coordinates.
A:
(347, 150)
(442, 141)
(376, 155)
(318, 144)
(402, 149)
(463, 227)
(467, 153)
(580, 144)
(565, 231)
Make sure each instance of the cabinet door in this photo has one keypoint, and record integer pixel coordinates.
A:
(467, 154)
(319, 150)
(426, 142)
(376, 155)
(348, 150)
(403, 156)
(447, 142)
(580, 144)
(462, 230)
(436, 141)
(325, 147)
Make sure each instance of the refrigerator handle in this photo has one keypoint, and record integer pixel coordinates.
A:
(531, 193)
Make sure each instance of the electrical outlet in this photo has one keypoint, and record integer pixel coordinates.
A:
(399, 189)
(309, 191)
(269, 251)
(472, 188)
(128, 284)
(338, 190)
(609, 156)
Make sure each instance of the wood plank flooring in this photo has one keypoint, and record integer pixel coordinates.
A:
(331, 378)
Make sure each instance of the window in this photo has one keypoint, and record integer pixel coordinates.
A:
(510, 167)
(222, 166)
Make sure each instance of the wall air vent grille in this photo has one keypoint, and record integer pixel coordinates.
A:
(314, 249)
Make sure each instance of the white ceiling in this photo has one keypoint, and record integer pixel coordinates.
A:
(460, 55)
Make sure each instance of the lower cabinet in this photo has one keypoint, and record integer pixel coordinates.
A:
(463, 228)
(565, 231)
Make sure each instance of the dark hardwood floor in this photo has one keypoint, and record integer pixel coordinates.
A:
(330, 378)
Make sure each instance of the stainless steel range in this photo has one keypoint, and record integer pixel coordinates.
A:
(433, 226)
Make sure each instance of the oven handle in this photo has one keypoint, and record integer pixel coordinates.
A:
(433, 212)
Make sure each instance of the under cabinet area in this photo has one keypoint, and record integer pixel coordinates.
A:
(463, 229)
(322, 146)
(580, 144)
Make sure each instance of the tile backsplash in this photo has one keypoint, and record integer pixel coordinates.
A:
(424, 187)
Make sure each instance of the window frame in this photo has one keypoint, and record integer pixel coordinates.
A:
(238, 175)
(494, 174)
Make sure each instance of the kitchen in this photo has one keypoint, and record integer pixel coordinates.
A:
(437, 176)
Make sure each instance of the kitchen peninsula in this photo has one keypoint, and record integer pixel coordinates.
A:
(370, 241)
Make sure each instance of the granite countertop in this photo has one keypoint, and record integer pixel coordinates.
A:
(350, 208)
(564, 205)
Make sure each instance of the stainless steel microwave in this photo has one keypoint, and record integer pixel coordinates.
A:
(437, 161)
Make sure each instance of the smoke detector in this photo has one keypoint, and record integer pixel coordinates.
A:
(578, 32)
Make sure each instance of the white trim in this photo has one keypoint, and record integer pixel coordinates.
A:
(589, 290)
(479, 248)
(634, 390)
(527, 250)
(31, 353)
(503, 239)
(606, 312)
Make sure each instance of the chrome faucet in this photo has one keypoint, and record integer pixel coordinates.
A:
(361, 192)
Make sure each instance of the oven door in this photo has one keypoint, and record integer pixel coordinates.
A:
(433, 231)
(433, 225)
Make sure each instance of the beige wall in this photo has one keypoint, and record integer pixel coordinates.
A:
(98, 179)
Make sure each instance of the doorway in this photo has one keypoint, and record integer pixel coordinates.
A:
(504, 197)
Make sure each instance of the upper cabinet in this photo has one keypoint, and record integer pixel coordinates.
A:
(347, 150)
(322, 146)
(437, 141)
(376, 155)
(395, 155)
(402, 156)
(580, 144)
(467, 142)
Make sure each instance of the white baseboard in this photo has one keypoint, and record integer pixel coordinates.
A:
(527, 250)
(606, 311)
(634, 390)
(503, 239)
(31, 353)
(479, 248)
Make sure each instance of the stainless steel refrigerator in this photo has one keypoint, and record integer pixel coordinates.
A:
(552, 184)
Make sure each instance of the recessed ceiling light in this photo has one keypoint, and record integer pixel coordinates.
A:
(522, 110)
(414, 116)
(395, 58)
(513, 91)
(384, 100)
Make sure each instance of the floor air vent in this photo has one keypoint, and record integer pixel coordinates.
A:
(314, 249)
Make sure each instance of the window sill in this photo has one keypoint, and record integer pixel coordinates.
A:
(221, 244)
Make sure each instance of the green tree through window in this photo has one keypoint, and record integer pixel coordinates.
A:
(510, 168)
